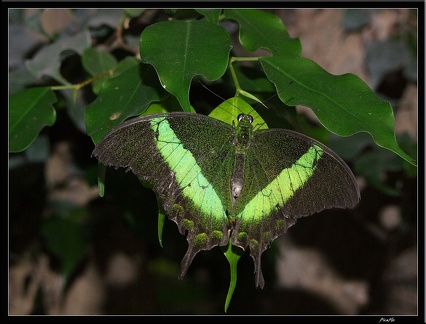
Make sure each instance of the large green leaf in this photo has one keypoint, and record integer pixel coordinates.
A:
(129, 94)
(180, 50)
(29, 111)
(344, 104)
(260, 29)
(48, 60)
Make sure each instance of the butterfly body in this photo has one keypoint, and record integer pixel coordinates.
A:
(241, 143)
(218, 182)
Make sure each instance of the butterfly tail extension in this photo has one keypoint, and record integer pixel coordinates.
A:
(198, 241)
(202, 233)
(259, 242)
(187, 260)
(242, 239)
(256, 254)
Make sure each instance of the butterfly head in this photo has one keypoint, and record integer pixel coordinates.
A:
(246, 119)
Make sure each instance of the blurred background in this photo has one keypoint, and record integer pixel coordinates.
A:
(72, 252)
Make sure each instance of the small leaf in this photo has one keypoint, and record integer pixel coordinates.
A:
(161, 219)
(373, 164)
(229, 110)
(95, 62)
(232, 254)
(29, 112)
(180, 50)
(101, 178)
(134, 12)
(67, 240)
(251, 96)
(212, 15)
(344, 104)
(124, 96)
(47, 61)
(260, 29)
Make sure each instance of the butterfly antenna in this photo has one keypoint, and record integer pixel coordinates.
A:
(276, 94)
(223, 99)
(253, 107)
(211, 91)
(219, 95)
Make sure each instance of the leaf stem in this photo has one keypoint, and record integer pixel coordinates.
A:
(238, 89)
(80, 85)
(234, 76)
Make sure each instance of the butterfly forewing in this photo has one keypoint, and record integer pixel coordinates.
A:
(188, 174)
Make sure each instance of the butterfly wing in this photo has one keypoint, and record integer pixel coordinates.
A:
(188, 159)
(287, 175)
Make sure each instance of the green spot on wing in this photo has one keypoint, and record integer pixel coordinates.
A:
(188, 224)
(254, 244)
(201, 239)
(217, 235)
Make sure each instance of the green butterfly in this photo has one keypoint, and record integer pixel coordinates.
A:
(233, 181)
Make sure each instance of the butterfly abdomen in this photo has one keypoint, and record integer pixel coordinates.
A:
(243, 136)
(237, 179)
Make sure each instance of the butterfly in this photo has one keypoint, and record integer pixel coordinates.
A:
(221, 181)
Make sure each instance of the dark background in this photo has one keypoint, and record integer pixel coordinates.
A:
(342, 262)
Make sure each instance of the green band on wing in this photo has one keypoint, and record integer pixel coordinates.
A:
(285, 184)
(187, 172)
